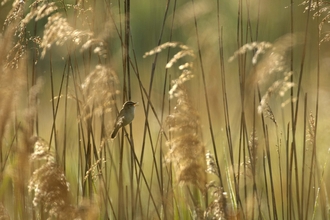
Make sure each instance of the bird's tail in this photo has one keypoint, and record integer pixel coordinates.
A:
(114, 132)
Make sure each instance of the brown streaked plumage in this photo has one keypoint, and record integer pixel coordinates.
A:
(125, 117)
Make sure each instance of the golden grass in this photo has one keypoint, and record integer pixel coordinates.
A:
(65, 66)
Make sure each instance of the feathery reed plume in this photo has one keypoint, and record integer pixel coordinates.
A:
(211, 164)
(48, 182)
(12, 83)
(278, 87)
(268, 113)
(94, 170)
(187, 151)
(185, 76)
(253, 151)
(252, 158)
(311, 129)
(274, 61)
(260, 47)
(185, 145)
(50, 188)
(99, 90)
(186, 68)
(12, 79)
(97, 42)
(4, 213)
(15, 13)
(17, 52)
(218, 207)
(58, 31)
(320, 7)
(39, 9)
(161, 47)
(185, 51)
(315, 5)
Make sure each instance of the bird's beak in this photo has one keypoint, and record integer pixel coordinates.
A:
(136, 104)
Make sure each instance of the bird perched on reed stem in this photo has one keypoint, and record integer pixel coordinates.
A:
(125, 117)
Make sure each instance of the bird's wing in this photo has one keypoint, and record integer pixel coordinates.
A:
(120, 120)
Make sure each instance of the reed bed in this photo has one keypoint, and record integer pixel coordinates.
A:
(232, 121)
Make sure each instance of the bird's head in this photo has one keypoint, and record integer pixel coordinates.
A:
(129, 104)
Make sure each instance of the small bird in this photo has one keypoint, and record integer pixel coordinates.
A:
(125, 117)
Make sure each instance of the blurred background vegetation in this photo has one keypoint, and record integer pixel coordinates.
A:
(68, 66)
